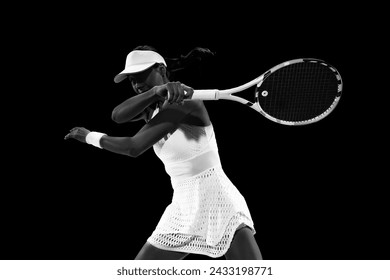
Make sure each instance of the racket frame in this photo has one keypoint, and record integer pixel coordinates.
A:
(227, 94)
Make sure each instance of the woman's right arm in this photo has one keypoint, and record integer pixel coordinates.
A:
(134, 106)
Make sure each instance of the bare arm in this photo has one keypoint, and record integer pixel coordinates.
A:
(166, 121)
(134, 108)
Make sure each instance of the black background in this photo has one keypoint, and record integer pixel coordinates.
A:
(315, 192)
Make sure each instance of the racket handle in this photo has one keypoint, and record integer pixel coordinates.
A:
(205, 94)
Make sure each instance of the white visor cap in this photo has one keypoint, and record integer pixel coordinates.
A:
(138, 61)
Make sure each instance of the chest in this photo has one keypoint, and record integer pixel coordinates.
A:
(186, 142)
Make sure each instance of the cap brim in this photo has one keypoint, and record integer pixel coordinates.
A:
(132, 70)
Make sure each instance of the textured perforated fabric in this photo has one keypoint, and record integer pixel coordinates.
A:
(206, 207)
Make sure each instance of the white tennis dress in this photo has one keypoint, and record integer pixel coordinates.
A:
(206, 208)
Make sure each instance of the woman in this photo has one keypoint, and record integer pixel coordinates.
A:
(207, 215)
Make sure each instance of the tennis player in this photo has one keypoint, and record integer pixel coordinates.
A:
(207, 215)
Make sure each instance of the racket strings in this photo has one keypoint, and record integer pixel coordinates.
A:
(299, 92)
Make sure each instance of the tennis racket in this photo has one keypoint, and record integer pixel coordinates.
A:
(296, 92)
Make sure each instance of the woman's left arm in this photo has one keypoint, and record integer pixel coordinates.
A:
(166, 121)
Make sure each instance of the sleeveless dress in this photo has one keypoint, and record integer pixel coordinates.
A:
(206, 207)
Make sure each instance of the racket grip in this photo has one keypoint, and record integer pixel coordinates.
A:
(205, 94)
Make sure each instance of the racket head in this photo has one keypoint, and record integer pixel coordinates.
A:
(299, 92)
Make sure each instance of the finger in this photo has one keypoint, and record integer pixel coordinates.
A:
(69, 135)
(180, 93)
(189, 91)
(173, 92)
(73, 129)
(169, 93)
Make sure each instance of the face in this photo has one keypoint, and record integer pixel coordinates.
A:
(145, 80)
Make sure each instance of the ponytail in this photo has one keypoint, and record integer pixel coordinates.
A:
(193, 58)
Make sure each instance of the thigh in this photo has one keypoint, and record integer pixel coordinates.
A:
(149, 252)
(244, 246)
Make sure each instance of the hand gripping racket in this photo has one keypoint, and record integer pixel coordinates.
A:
(295, 92)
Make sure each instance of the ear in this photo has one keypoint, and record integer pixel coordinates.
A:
(162, 70)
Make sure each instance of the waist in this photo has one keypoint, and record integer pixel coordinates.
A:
(192, 167)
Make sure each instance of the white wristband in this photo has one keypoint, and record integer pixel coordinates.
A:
(93, 138)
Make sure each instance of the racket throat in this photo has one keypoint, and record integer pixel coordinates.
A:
(256, 107)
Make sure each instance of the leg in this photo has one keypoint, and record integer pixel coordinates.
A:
(244, 246)
(149, 252)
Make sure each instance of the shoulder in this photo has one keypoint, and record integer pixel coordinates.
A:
(194, 112)
(198, 114)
